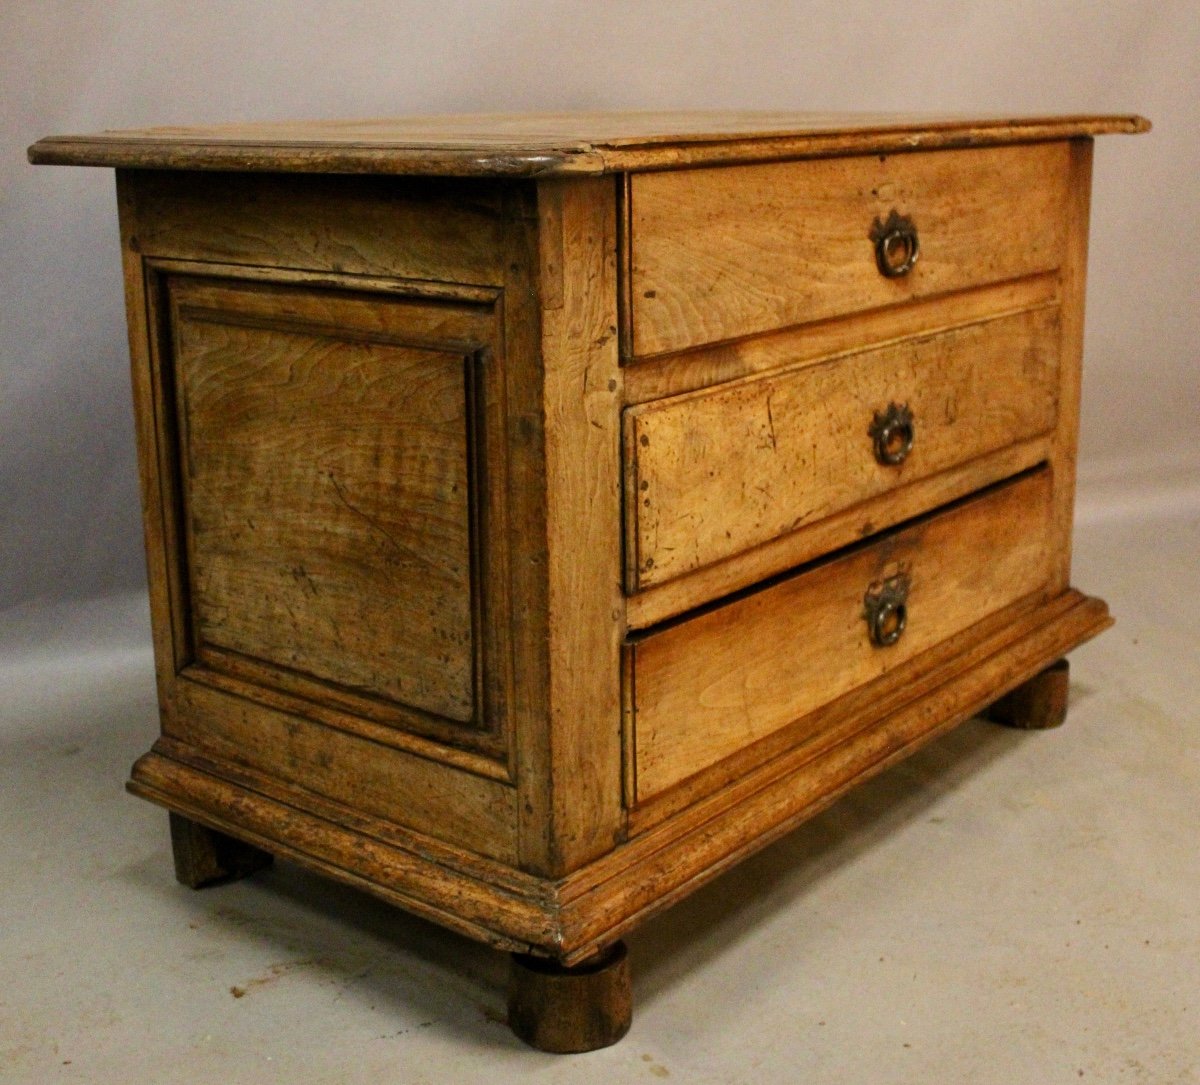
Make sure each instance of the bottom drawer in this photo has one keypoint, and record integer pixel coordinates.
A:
(708, 686)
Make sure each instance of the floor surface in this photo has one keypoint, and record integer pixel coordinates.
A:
(1014, 908)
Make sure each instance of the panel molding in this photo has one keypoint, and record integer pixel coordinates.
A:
(462, 323)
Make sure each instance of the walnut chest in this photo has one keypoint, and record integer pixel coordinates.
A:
(543, 513)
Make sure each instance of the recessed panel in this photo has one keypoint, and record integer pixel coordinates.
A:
(327, 490)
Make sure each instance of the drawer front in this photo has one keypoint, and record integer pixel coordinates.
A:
(716, 254)
(717, 472)
(711, 685)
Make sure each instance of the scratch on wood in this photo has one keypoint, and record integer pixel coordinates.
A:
(370, 521)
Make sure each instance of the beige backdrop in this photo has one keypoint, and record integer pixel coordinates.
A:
(68, 506)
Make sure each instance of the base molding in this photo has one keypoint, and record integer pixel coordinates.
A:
(573, 918)
(510, 911)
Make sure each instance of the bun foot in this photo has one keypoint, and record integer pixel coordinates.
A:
(1037, 705)
(204, 856)
(568, 1010)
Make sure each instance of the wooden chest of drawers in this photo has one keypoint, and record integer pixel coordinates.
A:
(544, 513)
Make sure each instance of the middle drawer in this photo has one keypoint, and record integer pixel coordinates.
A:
(714, 473)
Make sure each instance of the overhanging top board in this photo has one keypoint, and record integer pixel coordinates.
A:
(528, 145)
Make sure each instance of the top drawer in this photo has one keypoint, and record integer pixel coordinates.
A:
(724, 252)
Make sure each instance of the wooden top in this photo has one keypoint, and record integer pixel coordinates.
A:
(527, 145)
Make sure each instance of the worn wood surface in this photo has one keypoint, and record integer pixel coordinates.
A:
(336, 239)
(674, 598)
(277, 734)
(705, 687)
(164, 579)
(483, 899)
(527, 145)
(718, 254)
(285, 369)
(323, 439)
(571, 1010)
(717, 472)
(326, 460)
(824, 728)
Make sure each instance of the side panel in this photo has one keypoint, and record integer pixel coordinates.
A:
(325, 483)
(1074, 285)
(325, 454)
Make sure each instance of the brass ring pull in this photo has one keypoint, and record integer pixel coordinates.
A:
(885, 608)
(896, 245)
(893, 432)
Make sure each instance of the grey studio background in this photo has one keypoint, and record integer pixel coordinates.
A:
(800, 966)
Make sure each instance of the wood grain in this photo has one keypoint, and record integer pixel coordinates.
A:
(824, 728)
(459, 718)
(674, 598)
(710, 685)
(326, 460)
(572, 805)
(452, 231)
(479, 899)
(722, 253)
(155, 452)
(573, 918)
(226, 698)
(717, 472)
(404, 788)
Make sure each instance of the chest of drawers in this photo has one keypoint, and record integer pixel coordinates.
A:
(544, 513)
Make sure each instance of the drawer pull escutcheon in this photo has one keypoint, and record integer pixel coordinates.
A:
(893, 431)
(896, 245)
(885, 608)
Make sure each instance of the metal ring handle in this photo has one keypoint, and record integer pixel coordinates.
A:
(885, 607)
(893, 432)
(897, 245)
(888, 623)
